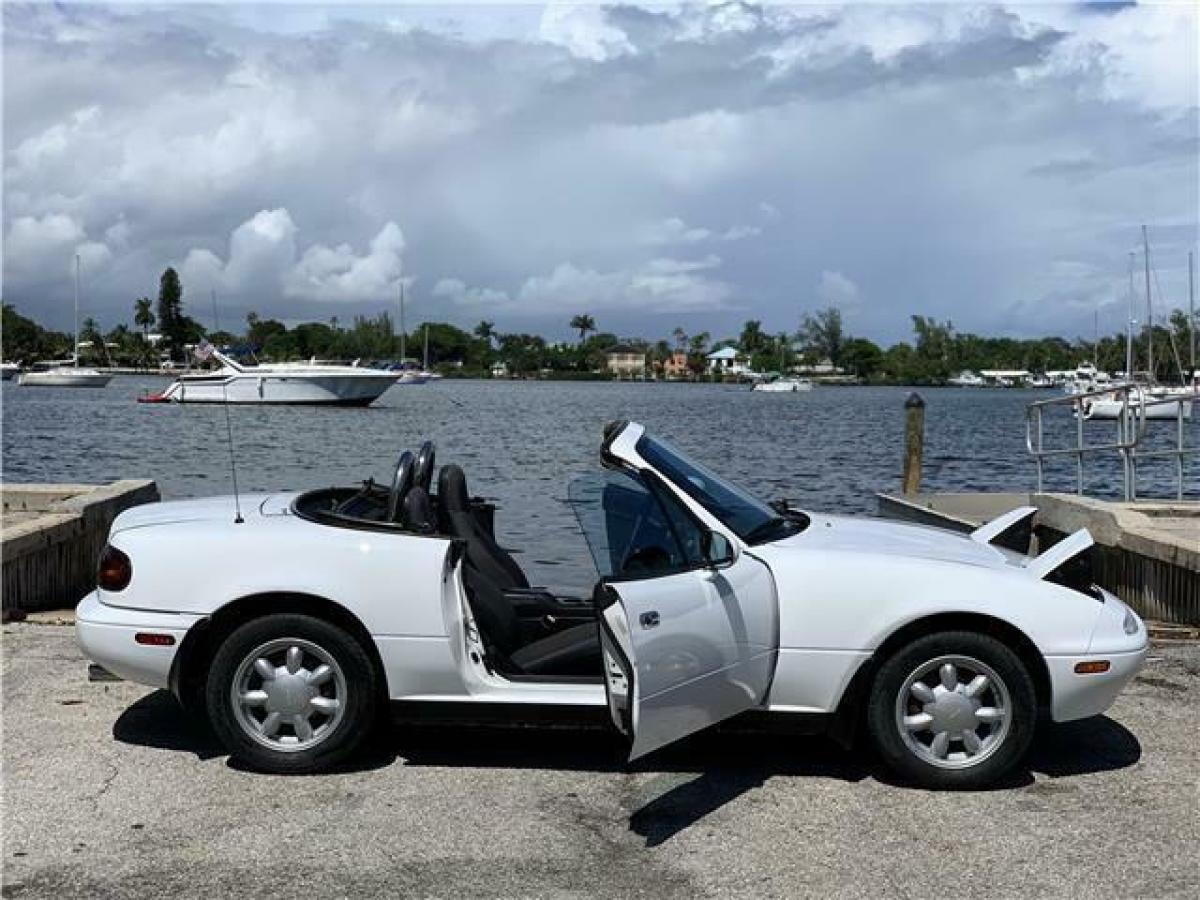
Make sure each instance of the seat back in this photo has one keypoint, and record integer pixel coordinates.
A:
(416, 512)
(483, 553)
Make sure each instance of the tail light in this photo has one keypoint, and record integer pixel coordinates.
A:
(114, 571)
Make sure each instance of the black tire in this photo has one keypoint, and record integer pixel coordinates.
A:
(1000, 758)
(346, 732)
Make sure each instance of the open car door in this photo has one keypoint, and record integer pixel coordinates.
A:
(689, 631)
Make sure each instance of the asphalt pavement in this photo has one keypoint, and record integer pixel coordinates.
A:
(110, 791)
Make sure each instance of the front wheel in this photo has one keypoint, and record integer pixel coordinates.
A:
(955, 709)
(291, 694)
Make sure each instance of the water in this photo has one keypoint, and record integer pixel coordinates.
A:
(520, 443)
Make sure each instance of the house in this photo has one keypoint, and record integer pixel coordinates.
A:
(676, 366)
(625, 361)
(728, 361)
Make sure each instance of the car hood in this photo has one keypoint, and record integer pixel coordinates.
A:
(880, 536)
(208, 509)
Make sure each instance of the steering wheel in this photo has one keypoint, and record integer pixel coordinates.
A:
(401, 482)
(423, 473)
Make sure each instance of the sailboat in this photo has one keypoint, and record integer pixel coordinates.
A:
(66, 373)
(407, 375)
(426, 373)
(1145, 400)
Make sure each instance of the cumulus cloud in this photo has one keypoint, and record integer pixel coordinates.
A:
(660, 285)
(835, 289)
(262, 258)
(944, 155)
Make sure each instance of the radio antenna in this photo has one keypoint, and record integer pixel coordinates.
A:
(237, 503)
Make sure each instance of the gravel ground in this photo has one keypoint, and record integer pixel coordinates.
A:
(110, 792)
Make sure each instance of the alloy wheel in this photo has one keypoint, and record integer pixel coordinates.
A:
(953, 712)
(288, 694)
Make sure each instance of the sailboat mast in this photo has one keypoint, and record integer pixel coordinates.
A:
(425, 364)
(1129, 326)
(1149, 309)
(75, 349)
(403, 350)
(1192, 310)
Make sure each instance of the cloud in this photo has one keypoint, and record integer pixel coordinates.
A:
(298, 158)
(262, 258)
(658, 286)
(835, 289)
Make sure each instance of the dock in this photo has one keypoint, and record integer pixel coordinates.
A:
(53, 535)
(1147, 551)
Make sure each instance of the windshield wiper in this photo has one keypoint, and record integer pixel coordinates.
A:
(763, 529)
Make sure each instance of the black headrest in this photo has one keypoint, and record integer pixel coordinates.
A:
(423, 473)
(416, 514)
(401, 482)
(452, 489)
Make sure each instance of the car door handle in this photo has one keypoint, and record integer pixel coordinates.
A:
(648, 619)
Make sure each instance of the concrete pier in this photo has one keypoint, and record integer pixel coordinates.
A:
(52, 537)
(1147, 552)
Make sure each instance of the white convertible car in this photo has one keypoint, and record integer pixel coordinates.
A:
(291, 625)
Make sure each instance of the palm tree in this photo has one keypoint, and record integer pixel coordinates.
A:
(752, 338)
(681, 338)
(583, 323)
(485, 331)
(143, 316)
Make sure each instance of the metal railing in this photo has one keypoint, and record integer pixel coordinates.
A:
(1130, 419)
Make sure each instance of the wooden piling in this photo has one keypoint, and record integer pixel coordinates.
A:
(914, 443)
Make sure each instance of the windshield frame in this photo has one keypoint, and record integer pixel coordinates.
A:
(753, 520)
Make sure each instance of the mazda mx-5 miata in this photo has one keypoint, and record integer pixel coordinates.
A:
(290, 624)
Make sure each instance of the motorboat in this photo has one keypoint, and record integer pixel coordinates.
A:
(280, 383)
(786, 385)
(8, 370)
(63, 374)
(966, 379)
(1086, 378)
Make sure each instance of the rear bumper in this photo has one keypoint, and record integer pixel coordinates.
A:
(106, 635)
(1079, 696)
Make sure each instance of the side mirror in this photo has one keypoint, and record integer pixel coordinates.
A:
(717, 550)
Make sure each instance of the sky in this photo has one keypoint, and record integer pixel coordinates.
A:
(655, 166)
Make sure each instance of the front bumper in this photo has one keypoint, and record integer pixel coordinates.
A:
(1079, 696)
(106, 635)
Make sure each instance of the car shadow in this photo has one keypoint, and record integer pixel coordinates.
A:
(727, 764)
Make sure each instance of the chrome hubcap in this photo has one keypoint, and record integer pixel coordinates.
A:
(288, 694)
(953, 712)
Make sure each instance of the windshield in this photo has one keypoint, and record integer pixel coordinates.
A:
(748, 517)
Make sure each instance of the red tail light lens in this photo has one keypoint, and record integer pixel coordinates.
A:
(115, 570)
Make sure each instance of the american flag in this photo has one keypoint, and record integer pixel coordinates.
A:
(203, 350)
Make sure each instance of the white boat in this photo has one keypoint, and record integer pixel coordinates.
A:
(1141, 402)
(966, 378)
(411, 376)
(8, 370)
(67, 373)
(784, 386)
(1085, 378)
(284, 383)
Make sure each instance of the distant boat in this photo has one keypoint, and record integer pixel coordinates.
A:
(312, 383)
(1141, 403)
(784, 386)
(966, 378)
(66, 373)
(8, 370)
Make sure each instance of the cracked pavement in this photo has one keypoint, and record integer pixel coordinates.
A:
(109, 791)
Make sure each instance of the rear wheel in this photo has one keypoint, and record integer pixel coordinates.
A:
(291, 694)
(954, 709)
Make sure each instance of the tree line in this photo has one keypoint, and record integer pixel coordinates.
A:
(936, 352)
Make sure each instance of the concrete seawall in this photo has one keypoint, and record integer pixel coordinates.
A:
(53, 534)
(1147, 552)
